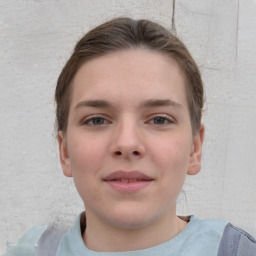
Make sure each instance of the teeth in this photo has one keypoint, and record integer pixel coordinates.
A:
(124, 180)
(129, 181)
(134, 180)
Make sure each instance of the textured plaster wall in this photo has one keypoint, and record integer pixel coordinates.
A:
(37, 37)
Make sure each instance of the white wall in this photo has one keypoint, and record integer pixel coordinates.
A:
(37, 37)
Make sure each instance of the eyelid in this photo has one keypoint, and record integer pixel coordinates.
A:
(88, 118)
(169, 118)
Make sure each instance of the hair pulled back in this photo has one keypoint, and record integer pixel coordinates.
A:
(125, 33)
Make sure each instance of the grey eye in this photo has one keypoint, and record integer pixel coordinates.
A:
(160, 120)
(97, 121)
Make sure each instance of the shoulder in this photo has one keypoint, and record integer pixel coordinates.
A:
(208, 227)
(223, 238)
(237, 242)
(26, 244)
(43, 240)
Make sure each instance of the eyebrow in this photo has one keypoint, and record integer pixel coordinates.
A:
(94, 104)
(146, 104)
(161, 103)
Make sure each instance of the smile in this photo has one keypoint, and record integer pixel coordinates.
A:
(128, 182)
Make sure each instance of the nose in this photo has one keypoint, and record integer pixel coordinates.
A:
(128, 141)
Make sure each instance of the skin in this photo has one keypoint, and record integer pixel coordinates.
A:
(129, 112)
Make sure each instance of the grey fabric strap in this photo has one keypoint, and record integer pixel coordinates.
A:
(236, 242)
(49, 242)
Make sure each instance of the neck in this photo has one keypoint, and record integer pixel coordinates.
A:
(108, 238)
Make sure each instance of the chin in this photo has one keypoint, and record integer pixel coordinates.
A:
(131, 223)
(132, 219)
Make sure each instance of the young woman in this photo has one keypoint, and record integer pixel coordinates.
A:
(129, 105)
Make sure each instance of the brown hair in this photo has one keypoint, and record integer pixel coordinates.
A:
(121, 34)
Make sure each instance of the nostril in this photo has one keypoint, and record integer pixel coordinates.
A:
(119, 153)
(136, 153)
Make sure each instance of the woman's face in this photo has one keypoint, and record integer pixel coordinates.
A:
(129, 141)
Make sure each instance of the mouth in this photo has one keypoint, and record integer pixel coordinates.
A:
(128, 182)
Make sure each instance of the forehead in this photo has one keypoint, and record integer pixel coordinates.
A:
(137, 72)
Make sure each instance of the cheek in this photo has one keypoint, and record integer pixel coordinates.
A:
(172, 154)
(85, 152)
(86, 160)
(171, 160)
(86, 163)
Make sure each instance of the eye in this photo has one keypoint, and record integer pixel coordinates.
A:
(95, 121)
(160, 120)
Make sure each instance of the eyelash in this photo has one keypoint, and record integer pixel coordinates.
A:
(165, 119)
(94, 118)
(92, 121)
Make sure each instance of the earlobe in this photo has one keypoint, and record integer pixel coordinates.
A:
(64, 156)
(196, 154)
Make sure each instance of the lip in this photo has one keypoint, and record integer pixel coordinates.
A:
(128, 182)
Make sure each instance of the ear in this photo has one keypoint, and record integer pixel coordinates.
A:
(196, 152)
(64, 156)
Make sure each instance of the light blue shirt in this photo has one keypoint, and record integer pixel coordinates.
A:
(198, 238)
(25, 245)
